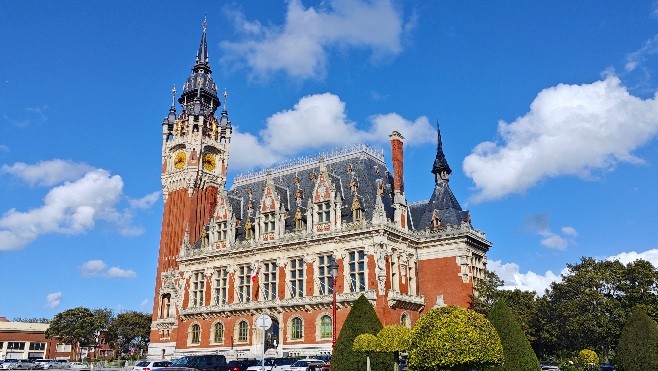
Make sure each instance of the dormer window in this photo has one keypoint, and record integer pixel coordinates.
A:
(268, 222)
(222, 230)
(324, 212)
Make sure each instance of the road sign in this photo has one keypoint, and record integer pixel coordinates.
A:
(263, 322)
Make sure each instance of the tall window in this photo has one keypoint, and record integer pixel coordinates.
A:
(222, 232)
(326, 327)
(296, 280)
(165, 306)
(356, 261)
(296, 329)
(243, 332)
(244, 283)
(221, 286)
(198, 288)
(324, 275)
(15, 345)
(195, 332)
(269, 280)
(324, 212)
(268, 222)
(218, 330)
(404, 320)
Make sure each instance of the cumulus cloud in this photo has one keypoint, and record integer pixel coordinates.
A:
(53, 299)
(87, 196)
(46, 173)
(299, 46)
(98, 268)
(287, 132)
(626, 257)
(540, 224)
(529, 281)
(569, 130)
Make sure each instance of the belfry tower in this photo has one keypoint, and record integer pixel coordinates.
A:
(194, 163)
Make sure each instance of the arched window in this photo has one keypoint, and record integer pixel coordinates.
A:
(326, 327)
(404, 320)
(243, 332)
(296, 329)
(195, 334)
(218, 330)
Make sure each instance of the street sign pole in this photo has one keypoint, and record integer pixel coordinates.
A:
(263, 322)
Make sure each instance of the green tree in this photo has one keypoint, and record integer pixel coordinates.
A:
(453, 338)
(519, 355)
(362, 319)
(394, 339)
(486, 292)
(78, 327)
(130, 331)
(638, 344)
(366, 343)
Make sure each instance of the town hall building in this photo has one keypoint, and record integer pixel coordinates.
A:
(267, 245)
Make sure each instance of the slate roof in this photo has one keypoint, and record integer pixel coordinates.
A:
(361, 162)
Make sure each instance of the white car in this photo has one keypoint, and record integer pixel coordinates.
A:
(7, 362)
(304, 364)
(148, 365)
(79, 366)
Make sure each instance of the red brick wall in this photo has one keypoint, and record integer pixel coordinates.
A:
(442, 276)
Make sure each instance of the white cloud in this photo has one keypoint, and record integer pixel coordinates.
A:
(70, 208)
(92, 268)
(53, 299)
(529, 281)
(570, 130)
(288, 132)
(47, 173)
(146, 201)
(627, 257)
(4, 148)
(98, 268)
(299, 47)
(638, 57)
(540, 224)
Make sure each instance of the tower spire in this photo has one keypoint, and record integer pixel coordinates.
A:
(441, 169)
(202, 54)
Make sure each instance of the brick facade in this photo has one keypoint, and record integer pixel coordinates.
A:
(265, 245)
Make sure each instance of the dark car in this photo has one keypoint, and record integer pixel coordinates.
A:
(207, 362)
(242, 364)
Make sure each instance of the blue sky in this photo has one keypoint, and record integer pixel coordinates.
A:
(548, 113)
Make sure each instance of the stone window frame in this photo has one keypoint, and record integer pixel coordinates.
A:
(270, 275)
(193, 335)
(323, 279)
(298, 279)
(243, 283)
(319, 328)
(238, 331)
(197, 289)
(213, 332)
(220, 286)
(291, 329)
(357, 272)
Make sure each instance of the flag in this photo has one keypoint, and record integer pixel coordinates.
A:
(254, 278)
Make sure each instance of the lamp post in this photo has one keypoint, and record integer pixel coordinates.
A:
(333, 270)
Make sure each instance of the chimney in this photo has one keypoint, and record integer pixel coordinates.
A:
(397, 141)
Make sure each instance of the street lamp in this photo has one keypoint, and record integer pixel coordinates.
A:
(333, 270)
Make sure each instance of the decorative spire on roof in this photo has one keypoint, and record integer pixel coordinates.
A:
(441, 169)
(200, 92)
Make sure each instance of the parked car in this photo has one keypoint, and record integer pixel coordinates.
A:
(242, 364)
(63, 364)
(283, 364)
(22, 364)
(8, 362)
(549, 366)
(79, 366)
(46, 364)
(269, 364)
(148, 365)
(207, 362)
(305, 364)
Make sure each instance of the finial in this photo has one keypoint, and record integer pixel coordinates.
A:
(205, 23)
(173, 96)
(225, 96)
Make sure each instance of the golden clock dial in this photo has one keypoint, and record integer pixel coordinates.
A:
(179, 161)
(209, 162)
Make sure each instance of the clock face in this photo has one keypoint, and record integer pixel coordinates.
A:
(179, 161)
(209, 162)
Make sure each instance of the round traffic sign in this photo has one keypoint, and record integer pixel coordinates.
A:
(263, 322)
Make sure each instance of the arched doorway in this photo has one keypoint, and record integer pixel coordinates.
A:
(272, 335)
